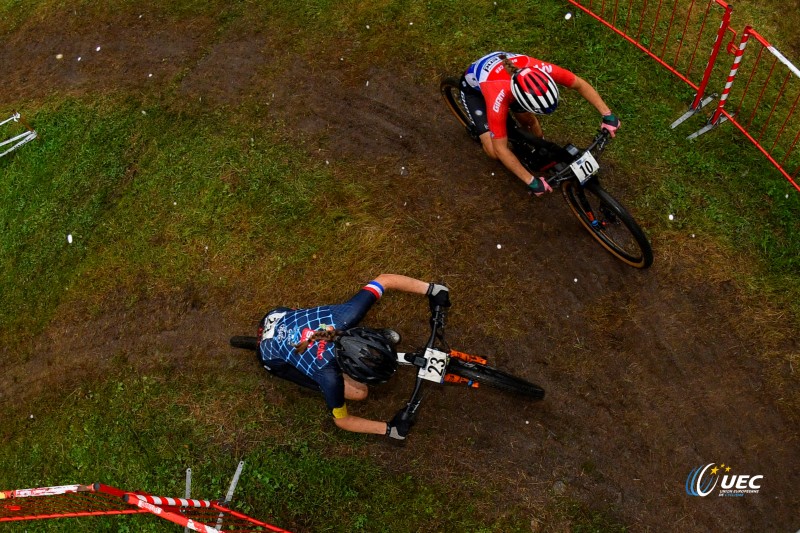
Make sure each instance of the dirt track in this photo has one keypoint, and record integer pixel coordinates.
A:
(649, 374)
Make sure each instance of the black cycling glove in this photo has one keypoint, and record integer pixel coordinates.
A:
(397, 428)
(438, 296)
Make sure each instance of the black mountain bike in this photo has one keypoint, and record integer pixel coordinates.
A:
(436, 362)
(575, 171)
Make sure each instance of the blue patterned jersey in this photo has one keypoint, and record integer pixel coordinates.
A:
(286, 329)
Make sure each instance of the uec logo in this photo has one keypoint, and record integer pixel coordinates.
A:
(701, 482)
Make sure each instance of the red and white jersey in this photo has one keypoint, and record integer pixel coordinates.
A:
(488, 76)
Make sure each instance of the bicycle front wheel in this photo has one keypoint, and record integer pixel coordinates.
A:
(451, 92)
(495, 378)
(246, 343)
(608, 222)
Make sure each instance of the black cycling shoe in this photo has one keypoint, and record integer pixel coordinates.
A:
(391, 335)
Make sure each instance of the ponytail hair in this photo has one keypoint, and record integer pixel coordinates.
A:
(328, 334)
(510, 67)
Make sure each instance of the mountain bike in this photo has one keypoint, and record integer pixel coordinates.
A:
(436, 362)
(576, 172)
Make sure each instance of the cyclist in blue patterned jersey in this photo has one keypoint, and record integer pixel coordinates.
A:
(313, 346)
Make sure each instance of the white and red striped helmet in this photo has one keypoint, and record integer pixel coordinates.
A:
(535, 91)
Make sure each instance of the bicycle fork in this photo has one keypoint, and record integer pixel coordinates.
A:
(452, 378)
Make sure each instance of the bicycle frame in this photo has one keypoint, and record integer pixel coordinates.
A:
(561, 167)
(595, 148)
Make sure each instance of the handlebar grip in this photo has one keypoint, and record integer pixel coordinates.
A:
(402, 414)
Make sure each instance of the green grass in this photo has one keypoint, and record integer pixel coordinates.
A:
(148, 194)
(141, 433)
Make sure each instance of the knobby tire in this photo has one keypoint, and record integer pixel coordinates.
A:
(451, 92)
(608, 222)
(497, 379)
(246, 343)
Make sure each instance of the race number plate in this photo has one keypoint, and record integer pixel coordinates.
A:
(435, 363)
(585, 167)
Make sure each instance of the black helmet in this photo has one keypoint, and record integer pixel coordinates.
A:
(366, 356)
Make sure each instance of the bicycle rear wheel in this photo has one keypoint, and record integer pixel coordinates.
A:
(451, 92)
(246, 343)
(608, 222)
(495, 378)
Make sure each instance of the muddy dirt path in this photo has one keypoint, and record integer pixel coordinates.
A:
(649, 374)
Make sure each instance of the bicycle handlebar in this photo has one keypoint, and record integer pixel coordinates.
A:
(599, 143)
(437, 323)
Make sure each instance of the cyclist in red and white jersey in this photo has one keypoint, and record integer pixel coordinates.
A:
(501, 82)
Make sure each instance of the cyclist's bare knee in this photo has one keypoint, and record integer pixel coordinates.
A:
(353, 390)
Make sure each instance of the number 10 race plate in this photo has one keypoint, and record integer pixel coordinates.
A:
(585, 166)
(435, 363)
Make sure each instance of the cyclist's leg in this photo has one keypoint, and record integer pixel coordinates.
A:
(476, 107)
(531, 122)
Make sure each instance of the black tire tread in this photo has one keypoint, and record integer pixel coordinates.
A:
(246, 343)
(447, 86)
(495, 378)
(646, 257)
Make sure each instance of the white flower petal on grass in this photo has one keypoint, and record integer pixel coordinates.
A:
(671, 216)
(69, 238)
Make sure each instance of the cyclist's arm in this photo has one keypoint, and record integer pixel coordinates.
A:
(361, 425)
(402, 283)
(507, 157)
(591, 95)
